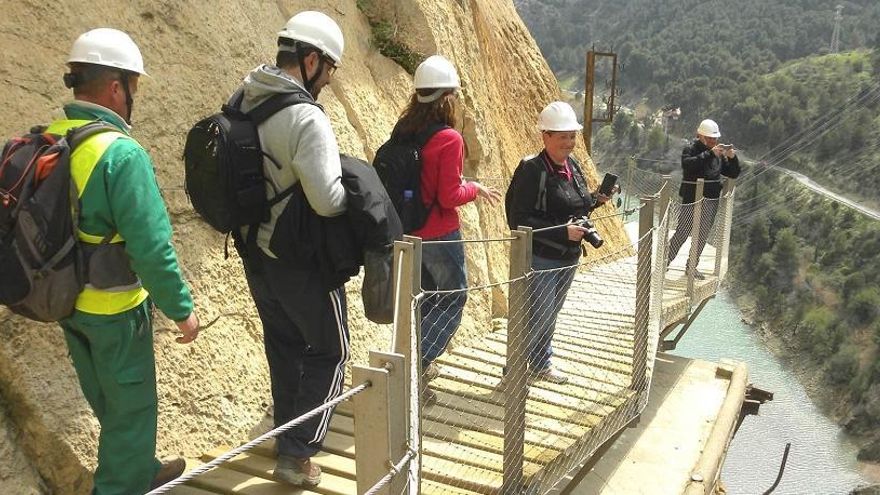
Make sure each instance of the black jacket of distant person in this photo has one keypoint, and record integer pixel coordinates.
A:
(698, 162)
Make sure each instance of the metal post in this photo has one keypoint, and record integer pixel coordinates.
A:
(663, 243)
(588, 101)
(643, 295)
(630, 169)
(665, 194)
(694, 256)
(723, 250)
(515, 382)
(404, 253)
(379, 411)
(407, 331)
(371, 427)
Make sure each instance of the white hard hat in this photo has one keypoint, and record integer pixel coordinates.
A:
(108, 47)
(558, 116)
(436, 72)
(709, 128)
(316, 29)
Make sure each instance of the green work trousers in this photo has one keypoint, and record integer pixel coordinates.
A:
(113, 357)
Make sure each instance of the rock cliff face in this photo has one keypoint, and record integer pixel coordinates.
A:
(216, 390)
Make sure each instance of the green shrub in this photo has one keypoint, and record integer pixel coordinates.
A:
(844, 365)
(384, 38)
(820, 328)
(864, 306)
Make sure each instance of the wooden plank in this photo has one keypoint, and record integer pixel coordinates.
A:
(465, 477)
(547, 407)
(432, 487)
(189, 490)
(478, 384)
(489, 364)
(588, 349)
(330, 463)
(470, 415)
(262, 467)
(617, 336)
(479, 443)
(335, 444)
(586, 358)
(230, 482)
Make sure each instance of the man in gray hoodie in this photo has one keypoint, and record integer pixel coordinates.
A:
(305, 327)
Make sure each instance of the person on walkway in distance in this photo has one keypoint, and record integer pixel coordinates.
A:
(433, 105)
(304, 322)
(109, 335)
(546, 190)
(705, 159)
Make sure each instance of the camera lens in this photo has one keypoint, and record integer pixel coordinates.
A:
(592, 235)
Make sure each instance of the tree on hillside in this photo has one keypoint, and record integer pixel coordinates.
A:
(785, 261)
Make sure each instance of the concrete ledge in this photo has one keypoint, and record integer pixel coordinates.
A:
(683, 434)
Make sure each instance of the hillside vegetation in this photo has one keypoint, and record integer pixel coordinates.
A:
(807, 266)
(811, 278)
(754, 66)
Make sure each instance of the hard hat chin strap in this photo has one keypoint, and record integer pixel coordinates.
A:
(129, 101)
(309, 83)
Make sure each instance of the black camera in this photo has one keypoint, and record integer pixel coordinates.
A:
(591, 235)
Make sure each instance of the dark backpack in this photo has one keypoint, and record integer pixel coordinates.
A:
(399, 165)
(41, 261)
(375, 226)
(224, 163)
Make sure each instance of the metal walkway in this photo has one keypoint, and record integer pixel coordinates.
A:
(462, 435)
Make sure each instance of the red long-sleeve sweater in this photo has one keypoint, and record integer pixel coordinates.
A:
(442, 183)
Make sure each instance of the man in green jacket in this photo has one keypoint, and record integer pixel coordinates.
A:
(126, 235)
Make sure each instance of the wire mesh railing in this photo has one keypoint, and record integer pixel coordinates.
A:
(509, 405)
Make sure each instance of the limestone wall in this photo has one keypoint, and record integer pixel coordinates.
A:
(215, 391)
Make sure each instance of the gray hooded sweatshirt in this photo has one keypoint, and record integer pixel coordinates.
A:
(302, 141)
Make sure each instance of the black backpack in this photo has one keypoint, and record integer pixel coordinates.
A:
(224, 163)
(41, 261)
(399, 165)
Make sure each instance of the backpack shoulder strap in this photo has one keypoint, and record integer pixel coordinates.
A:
(541, 200)
(277, 102)
(79, 135)
(580, 181)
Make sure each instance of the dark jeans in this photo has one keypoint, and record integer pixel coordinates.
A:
(443, 268)
(305, 333)
(686, 225)
(546, 294)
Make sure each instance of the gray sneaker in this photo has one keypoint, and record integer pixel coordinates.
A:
(297, 471)
(548, 375)
(430, 373)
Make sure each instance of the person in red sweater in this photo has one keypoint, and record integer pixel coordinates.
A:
(443, 189)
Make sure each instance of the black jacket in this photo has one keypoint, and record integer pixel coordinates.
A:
(698, 162)
(336, 245)
(559, 201)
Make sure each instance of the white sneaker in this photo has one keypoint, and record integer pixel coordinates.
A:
(551, 375)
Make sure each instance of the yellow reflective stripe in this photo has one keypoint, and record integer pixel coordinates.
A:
(60, 127)
(97, 239)
(86, 156)
(99, 302)
(82, 163)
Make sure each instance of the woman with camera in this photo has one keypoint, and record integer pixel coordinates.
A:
(549, 190)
